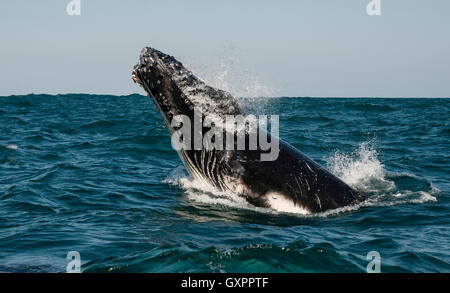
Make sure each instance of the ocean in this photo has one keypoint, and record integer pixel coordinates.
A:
(96, 174)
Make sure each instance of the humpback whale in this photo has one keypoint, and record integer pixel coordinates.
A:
(291, 179)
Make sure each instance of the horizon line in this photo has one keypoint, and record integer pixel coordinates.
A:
(250, 97)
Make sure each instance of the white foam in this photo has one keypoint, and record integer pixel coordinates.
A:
(200, 192)
(12, 147)
(424, 197)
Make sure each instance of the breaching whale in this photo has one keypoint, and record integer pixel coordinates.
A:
(291, 179)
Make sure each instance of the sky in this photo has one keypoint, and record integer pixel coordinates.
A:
(316, 48)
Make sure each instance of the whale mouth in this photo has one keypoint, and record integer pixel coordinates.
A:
(142, 72)
(159, 103)
(139, 78)
(176, 90)
(154, 73)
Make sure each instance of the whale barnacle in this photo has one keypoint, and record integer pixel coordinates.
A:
(170, 115)
(134, 76)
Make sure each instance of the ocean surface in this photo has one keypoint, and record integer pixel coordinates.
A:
(97, 174)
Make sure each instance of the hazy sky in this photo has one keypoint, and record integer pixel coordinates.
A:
(286, 48)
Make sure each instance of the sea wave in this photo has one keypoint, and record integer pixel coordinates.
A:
(96, 174)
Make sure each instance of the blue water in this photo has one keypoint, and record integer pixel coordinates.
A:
(97, 175)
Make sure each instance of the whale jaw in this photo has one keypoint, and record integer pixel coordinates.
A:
(154, 72)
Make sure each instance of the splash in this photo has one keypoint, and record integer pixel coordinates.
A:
(204, 194)
(363, 170)
(229, 74)
(360, 169)
(201, 192)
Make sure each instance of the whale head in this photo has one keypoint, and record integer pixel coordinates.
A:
(176, 90)
(156, 72)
